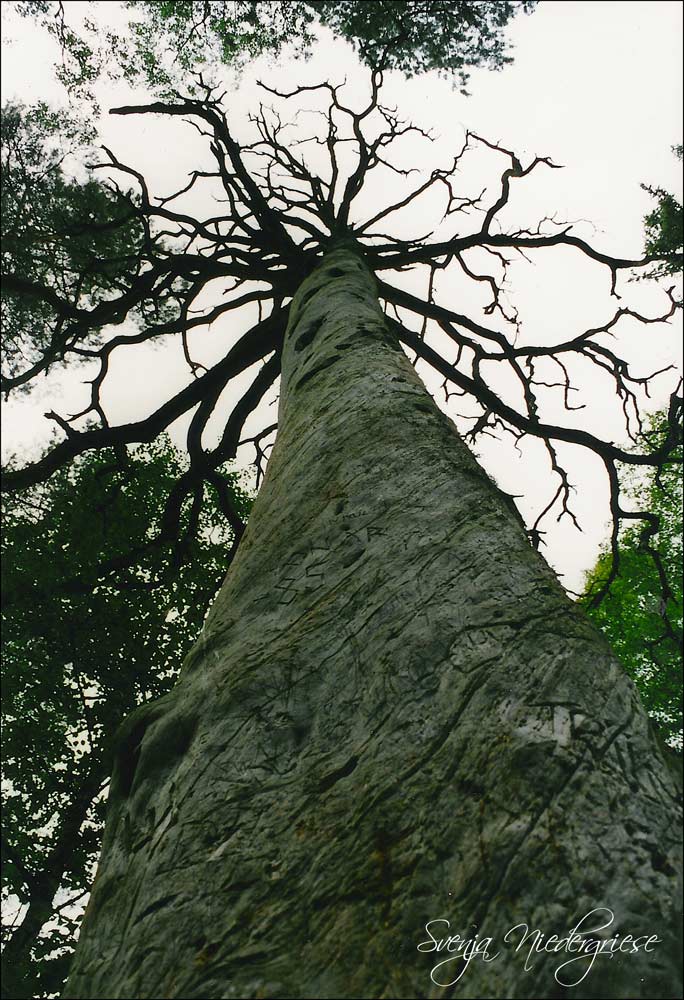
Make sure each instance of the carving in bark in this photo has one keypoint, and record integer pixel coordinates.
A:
(394, 714)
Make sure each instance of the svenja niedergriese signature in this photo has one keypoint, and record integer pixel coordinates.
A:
(461, 951)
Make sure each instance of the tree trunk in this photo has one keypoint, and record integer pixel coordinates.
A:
(394, 715)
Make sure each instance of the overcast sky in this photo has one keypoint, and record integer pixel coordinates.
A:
(594, 85)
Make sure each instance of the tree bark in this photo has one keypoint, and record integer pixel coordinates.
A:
(394, 715)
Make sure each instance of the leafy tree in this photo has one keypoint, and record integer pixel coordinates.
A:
(423, 36)
(96, 618)
(641, 614)
(75, 237)
(665, 230)
(640, 580)
(166, 41)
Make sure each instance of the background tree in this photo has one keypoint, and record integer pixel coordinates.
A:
(95, 619)
(641, 609)
(73, 236)
(665, 229)
(167, 41)
(641, 614)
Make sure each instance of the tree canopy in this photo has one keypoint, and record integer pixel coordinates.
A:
(639, 582)
(74, 236)
(167, 41)
(664, 227)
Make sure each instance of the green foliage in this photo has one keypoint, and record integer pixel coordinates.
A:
(664, 230)
(422, 36)
(79, 67)
(642, 612)
(82, 648)
(168, 41)
(643, 627)
(79, 239)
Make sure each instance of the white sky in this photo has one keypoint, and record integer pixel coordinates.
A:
(594, 85)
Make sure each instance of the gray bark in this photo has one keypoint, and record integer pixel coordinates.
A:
(394, 714)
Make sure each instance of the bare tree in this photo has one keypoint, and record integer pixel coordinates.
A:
(394, 713)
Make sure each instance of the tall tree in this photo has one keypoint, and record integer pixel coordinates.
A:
(95, 618)
(394, 712)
